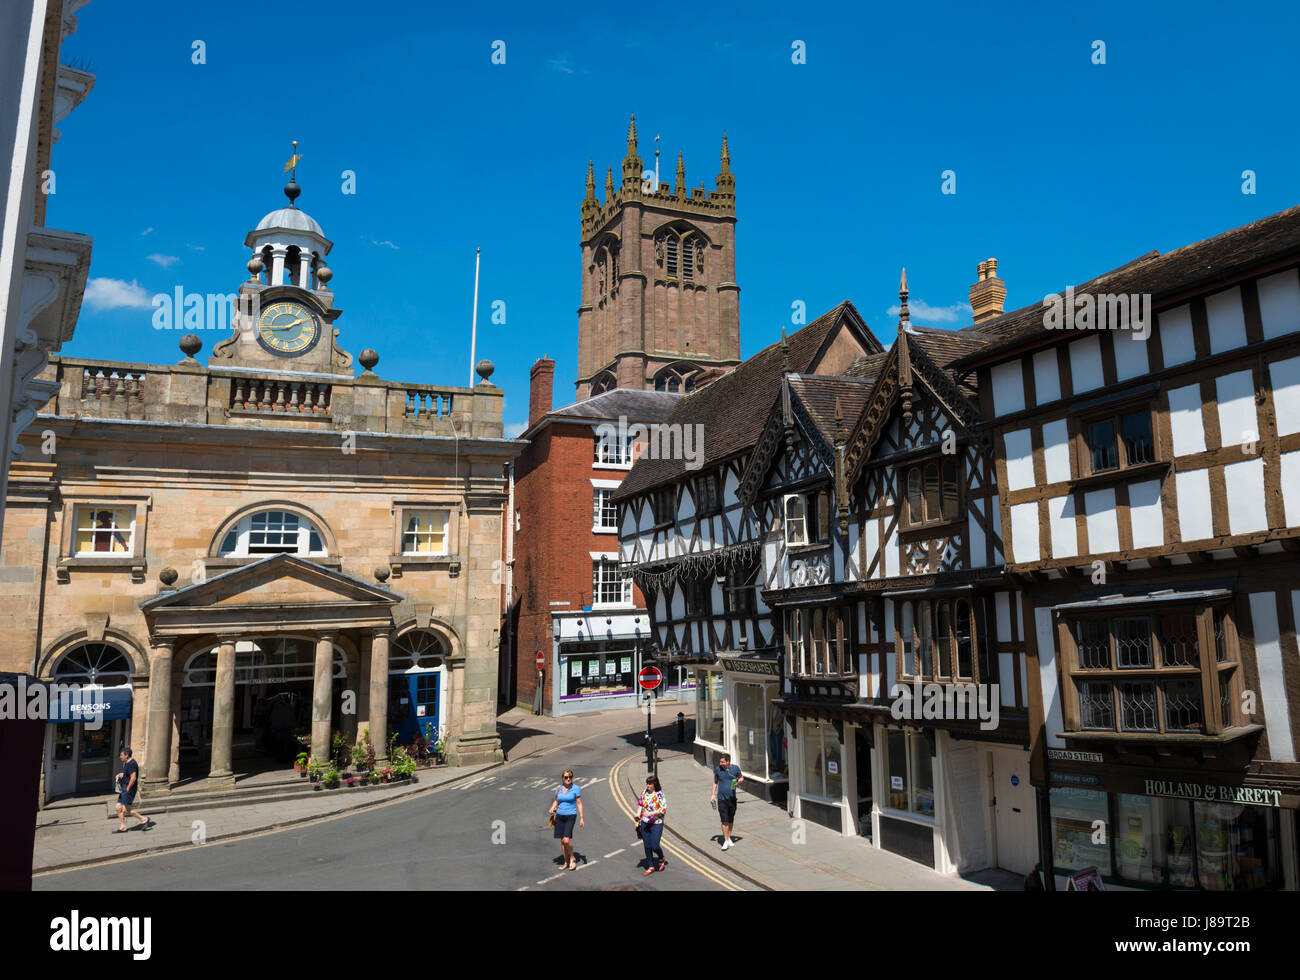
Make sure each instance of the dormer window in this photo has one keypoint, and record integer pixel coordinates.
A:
(933, 494)
(807, 518)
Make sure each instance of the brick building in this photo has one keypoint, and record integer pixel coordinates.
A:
(570, 602)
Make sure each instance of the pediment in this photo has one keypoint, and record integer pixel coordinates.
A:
(279, 580)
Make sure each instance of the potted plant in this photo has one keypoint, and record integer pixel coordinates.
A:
(363, 755)
(351, 781)
(341, 750)
(300, 764)
(331, 776)
(314, 770)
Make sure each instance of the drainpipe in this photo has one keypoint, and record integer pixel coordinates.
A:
(510, 583)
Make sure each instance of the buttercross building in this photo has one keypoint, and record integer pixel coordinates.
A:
(248, 554)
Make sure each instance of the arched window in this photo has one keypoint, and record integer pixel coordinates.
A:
(676, 377)
(272, 532)
(915, 507)
(949, 488)
(292, 265)
(416, 649)
(924, 639)
(94, 663)
(680, 251)
(279, 660)
(603, 382)
(932, 491)
(906, 639)
(268, 263)
(943, 640)
(963, 637)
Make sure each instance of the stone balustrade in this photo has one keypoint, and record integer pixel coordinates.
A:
(194, 393)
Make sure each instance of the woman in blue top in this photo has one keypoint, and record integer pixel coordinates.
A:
(567, 808)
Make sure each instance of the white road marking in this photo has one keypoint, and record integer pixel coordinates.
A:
(587, 864)
(551, 878)
(612, 853)
(505, 787)
(593, 782)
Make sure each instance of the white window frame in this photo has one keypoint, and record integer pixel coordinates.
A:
(416, 512)
(603, 443)
(606, 487)
(243, 529)
(789, 523)
(90, 510)
(600, 561)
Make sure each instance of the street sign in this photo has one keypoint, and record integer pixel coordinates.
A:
(541, 660)
(649, 678)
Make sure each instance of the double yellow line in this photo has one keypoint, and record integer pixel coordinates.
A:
(616, 788)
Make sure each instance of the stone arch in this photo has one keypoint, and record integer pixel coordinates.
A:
(327, 533)
(443, 630)
(603, 382)
(128, 645)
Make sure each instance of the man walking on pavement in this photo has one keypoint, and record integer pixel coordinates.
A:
(726, 778)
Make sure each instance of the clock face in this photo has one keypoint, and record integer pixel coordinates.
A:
(288, 328)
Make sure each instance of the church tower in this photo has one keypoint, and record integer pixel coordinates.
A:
(660, 304)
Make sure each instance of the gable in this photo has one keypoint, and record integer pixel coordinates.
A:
(282, 581)
(842, 348)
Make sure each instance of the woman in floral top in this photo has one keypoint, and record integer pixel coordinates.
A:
(653, 806)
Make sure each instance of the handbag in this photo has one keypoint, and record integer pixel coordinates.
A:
(552, 821)
(639, 832)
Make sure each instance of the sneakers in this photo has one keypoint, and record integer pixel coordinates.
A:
(726, 843)
(648, 871)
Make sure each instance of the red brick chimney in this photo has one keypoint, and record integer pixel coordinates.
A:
(540, 381)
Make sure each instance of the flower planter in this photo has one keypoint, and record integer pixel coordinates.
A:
(315, 786)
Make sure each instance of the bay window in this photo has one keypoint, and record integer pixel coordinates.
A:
(932, 492)
(819, 641)
(1142, 672)
(944, 639)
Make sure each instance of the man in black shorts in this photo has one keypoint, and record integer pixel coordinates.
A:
(726, 778)
(128, 782)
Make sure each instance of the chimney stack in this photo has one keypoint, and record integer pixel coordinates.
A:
(989, 293)
(541, 379)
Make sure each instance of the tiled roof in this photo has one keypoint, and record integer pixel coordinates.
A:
(733, 410)
(817, 393)
(1200, 264)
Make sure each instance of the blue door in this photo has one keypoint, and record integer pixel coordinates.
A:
(413, 707)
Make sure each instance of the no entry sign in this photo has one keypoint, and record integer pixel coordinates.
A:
(541, 660)
(649, 678)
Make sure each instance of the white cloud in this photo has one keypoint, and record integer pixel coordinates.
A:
(197, 248)
(922, 311)
(163, 260)
(515, 429)
(562, 64)
(386, 243)
(146, 231)
(113, 294)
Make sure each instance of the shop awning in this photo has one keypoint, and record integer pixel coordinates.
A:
(89, 703)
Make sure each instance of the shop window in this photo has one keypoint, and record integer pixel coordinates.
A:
(1160, 842)
(105, 531)
(709, 706)
(909, 774)
(751, 729)
(592, 670)
(933, 492)
(1142, 673)
(822, 761)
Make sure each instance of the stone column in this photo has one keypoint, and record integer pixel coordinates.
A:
(174, 762)
(158, 752)
(223, 716)
(379, 694)
(322, 696)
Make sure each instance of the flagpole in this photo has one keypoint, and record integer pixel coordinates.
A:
(473, 335)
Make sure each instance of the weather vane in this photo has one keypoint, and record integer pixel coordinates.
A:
(291, 167)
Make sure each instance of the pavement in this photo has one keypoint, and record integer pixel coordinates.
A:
(770, 851)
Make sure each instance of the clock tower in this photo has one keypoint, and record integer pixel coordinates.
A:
(284, 315)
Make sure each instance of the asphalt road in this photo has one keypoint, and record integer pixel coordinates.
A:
(488, 833)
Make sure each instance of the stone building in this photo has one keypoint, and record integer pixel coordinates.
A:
(262, 545)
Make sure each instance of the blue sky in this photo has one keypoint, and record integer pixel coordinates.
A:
(1064, 168)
